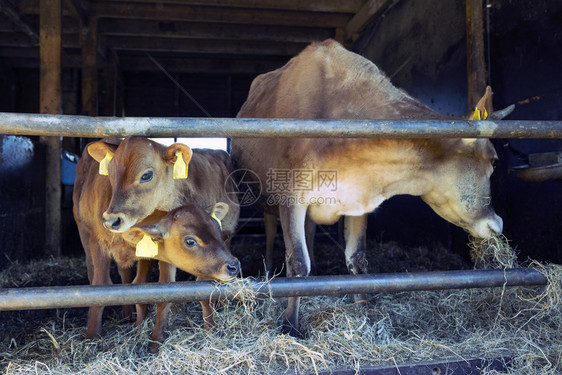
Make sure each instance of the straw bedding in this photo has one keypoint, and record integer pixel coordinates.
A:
(521, 325)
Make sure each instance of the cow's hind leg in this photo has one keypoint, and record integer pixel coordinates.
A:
(296, 258)
(355, 244)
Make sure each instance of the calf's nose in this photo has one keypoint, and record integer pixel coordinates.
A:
(233, 269)
(112, 222)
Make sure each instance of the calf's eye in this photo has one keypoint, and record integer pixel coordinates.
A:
(147, 176)
(190, 241)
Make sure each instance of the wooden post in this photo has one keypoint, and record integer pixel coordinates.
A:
(475, 51)
(50, 103)
(88, 40)
(107, 89)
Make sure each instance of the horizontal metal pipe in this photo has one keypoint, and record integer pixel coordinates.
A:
(84, 295)
(100, 127)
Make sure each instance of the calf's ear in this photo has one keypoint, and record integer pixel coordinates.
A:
(220, 210)
(146, 244)
(136, 233)
(99, 150)
(133, 235)
(172, 151)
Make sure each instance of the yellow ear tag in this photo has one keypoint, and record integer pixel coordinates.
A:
(480, 114)
(217, 219)
(180, 168)
(146, 248)
(104, 164)
(484, 114)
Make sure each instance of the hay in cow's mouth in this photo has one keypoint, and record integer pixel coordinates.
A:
(520, 324)
(493, 253)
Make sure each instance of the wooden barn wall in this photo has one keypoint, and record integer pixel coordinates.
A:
(22, 177)
(423, 50)
(154, 94)
(526, 68)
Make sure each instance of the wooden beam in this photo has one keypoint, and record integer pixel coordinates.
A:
(201, 65)
(201, 30)
(174, 12)
(88, 41)
(76, 7)
(369, 11)
(334, 6)
(107, 99)
(203, 46)
(475, 55)
(14, 15)
(20, 40)
(50, 103)
(29, 58)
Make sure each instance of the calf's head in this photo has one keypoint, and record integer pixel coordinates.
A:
(460, 187)
(191, 239)
(140, 172)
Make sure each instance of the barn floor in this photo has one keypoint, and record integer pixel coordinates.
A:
(519, 325)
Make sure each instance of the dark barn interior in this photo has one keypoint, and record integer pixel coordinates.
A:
(169, 58)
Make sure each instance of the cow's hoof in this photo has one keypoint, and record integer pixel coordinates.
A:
(360, 301)
(92, 335)
(288, 329)
(154, 346)
(129, 312)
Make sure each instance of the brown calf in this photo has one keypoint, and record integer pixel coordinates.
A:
(188, 238)
(127, 188)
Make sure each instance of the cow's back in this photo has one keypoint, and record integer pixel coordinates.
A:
(323, 81)
(327, 81)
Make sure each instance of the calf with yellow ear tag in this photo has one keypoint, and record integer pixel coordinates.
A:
(188, 238)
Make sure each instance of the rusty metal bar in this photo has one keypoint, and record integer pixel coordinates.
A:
(82, 296)
(99, 127)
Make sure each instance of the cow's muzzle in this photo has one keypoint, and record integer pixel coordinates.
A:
(487, 227)
(233, 268)
(113, 222)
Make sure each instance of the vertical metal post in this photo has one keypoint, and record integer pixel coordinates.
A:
(475, 51)
(50, 103)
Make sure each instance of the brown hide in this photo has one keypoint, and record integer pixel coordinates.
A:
(205, 186)
(327, 81)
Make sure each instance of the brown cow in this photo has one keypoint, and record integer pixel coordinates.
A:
(352, 177)
(140, 182)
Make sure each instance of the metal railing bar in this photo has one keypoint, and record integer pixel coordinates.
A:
(100, 127)
(106, 295)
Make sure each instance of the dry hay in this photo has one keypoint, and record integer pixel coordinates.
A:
(494, 252)
(521, 324)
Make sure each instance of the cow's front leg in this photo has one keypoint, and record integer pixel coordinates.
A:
(144, 266)
(296, 258)
(100, 267)
(355, 229)
(126, 276)
(167, 275)
(270, 223)
(310, 233)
